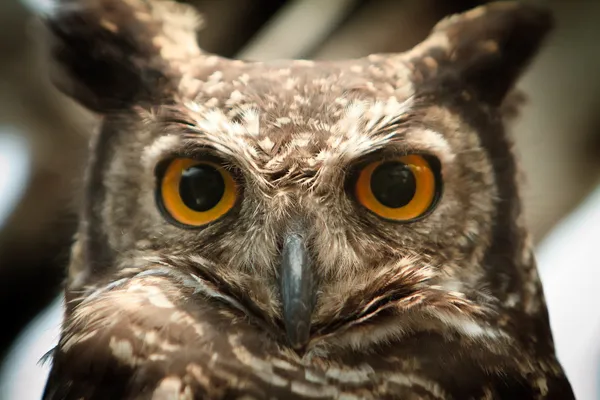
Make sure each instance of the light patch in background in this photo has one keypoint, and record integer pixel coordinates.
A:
(14, 170)
(23, 376)
(279, 38)
(39, 6)
(569, 268)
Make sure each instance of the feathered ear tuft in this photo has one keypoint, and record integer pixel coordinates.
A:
(486, 48)
(113, 53)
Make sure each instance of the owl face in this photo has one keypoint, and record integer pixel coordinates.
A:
(331, 203)
(296, 229)
(385, 191)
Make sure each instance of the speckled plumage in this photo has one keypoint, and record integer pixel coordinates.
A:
(446, 307)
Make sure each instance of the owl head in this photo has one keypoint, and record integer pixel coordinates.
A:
(333, 203)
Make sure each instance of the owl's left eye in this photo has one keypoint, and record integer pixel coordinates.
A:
(401, 189)
(195, 193)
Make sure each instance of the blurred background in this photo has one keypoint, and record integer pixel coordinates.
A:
(43, 145)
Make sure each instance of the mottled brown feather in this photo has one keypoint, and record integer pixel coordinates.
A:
(447, 307)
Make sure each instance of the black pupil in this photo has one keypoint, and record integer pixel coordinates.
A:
(393, 184)
(201, 187)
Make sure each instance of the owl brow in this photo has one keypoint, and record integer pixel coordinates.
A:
(391, 150)
(177, 138)
(202, 149)
(418, 140)
(191, 149)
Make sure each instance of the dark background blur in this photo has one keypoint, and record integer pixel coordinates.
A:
(43, 136)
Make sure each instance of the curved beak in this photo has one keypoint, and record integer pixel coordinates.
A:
(297, 289)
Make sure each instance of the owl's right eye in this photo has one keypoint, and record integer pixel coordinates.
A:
(195, 193)
(402, 189)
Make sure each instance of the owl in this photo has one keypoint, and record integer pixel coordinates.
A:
(295, 229)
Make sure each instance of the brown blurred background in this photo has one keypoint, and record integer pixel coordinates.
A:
(558, 136)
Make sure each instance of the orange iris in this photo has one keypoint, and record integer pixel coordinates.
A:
(196, 193)
(406, 185)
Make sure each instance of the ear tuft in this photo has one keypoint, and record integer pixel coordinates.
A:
(488, 47)
(113, 53)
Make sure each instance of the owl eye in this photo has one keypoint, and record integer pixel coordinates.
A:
(196, 193)
(401, 189)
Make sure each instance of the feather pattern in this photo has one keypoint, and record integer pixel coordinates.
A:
(446, 306)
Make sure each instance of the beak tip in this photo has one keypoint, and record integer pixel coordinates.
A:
(298, 334)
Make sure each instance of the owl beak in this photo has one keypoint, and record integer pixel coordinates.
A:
(297, 290)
